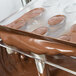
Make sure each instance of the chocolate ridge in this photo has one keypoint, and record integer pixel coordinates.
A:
(59, 46)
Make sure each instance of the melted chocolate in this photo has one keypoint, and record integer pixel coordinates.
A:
(18, 65)
(65, 61)
(36, 43)
(50, 70)
(56, 19)
(13, 65)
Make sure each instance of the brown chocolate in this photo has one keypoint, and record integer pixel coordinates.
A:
(73, 28)
(36, 43)
(56, 19)
(71, 35)
(13, 65)
(40, 30)
(17, 64)
(65, 61)
(26, 17)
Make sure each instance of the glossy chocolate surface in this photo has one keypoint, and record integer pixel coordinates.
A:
(16, 64)
(36, 43)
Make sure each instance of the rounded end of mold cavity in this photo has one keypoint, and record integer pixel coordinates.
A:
(56, 28)
(56, 22)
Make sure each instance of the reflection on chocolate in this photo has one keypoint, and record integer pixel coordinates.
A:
(50, 70)
(56, 19)
(67, 62)
(19, 65)
(37, 44)
(16, 64)
(64, 61)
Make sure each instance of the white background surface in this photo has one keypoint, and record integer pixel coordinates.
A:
(8, 6)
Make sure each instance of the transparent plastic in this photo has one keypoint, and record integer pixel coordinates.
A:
(52, 8)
